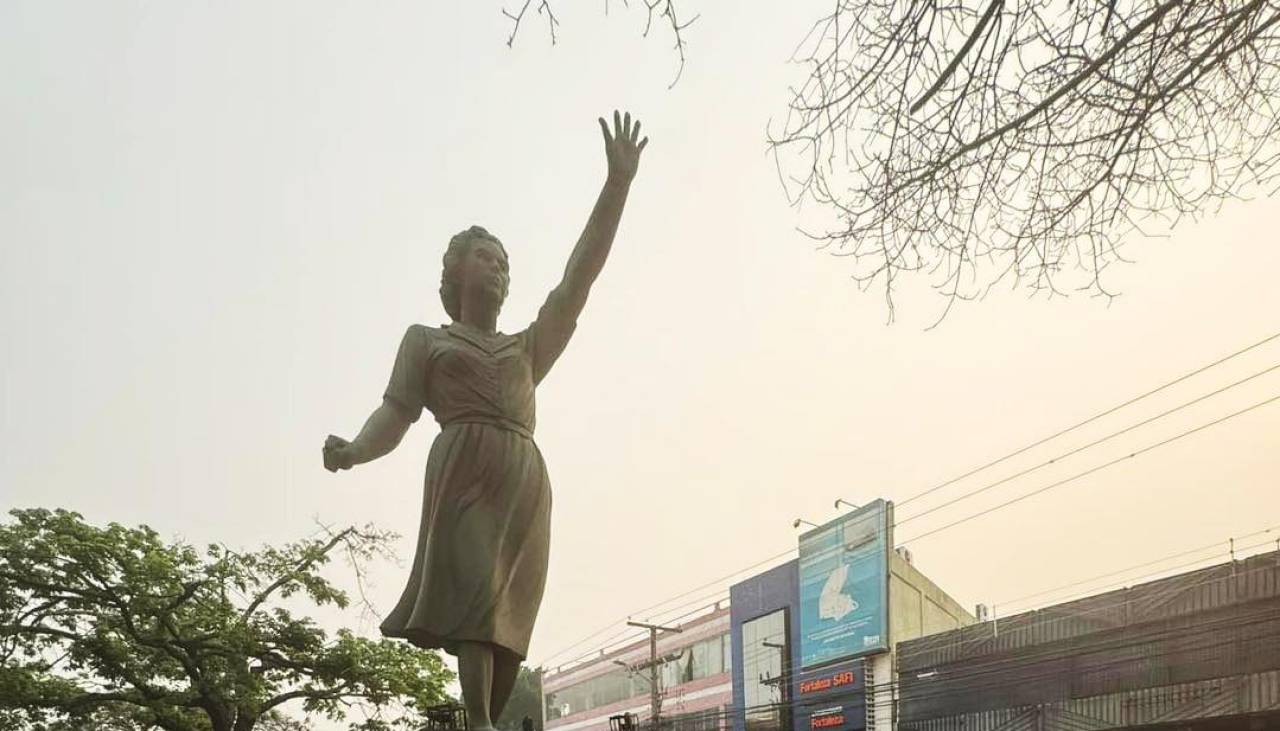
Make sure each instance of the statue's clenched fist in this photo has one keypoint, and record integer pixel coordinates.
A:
(337, 454)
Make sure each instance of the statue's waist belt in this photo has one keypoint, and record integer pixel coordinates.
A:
(498, 421)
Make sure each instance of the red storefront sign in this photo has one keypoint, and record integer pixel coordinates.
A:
(828, 682)
(827, 719)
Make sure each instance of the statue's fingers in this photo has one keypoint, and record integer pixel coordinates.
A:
(626, 126)
(643, 142)
(617, 124)
(635, 132)
(604, 128)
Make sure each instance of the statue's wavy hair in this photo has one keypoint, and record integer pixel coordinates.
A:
(450, 277)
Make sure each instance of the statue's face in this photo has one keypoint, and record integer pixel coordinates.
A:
(485, 271)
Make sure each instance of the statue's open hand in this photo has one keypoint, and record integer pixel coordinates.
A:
(337, 454)
(621, 147)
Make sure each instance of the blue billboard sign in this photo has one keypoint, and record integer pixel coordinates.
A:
(844, 586)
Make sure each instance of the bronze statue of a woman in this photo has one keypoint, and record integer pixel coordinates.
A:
(481, 558)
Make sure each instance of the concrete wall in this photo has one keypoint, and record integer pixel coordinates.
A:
(917, 606)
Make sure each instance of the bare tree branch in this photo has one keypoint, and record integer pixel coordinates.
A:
(980, 141)
(662, 11)
(542, 8)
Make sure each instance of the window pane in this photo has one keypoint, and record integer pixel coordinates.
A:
(640, 683)
(715, 657)
(698, 661)
(764, 656)
(553, 706)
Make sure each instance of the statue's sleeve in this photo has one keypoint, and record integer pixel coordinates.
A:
(547, 337)
(407, 389)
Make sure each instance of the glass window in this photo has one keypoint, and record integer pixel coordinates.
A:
(553, 706)
(702, 659)
(698, 661)
(670, 674)
(613, 686)
(710, 657)
(640, 683)
(765, 672)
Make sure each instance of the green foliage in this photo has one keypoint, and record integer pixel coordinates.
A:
(526, 700)
(113, 628)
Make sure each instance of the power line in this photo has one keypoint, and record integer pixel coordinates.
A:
(700, 587)
(1078, 614)
(758, 653)
(989, 678)
(1007, 503)
(722, 579)
(621, 636)
(1092, 470)
(1038, 654)
(992, 463)
(1028, 495)
(1094, 443)
(626, 637)
(1131, 581)
(711, 583)
(987, 682)
(546, 660)
(1091, 419)
(1014, 601)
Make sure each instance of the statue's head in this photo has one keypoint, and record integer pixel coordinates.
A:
(475, 265)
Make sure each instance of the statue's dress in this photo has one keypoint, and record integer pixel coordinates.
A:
(481, 559)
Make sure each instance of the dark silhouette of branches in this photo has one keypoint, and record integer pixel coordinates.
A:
(543, 8)
(662, 12)
(986, 141)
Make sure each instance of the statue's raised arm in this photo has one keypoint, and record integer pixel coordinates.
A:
(480, 565)
(556, 319)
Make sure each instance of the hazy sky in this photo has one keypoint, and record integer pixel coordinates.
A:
(216, 220)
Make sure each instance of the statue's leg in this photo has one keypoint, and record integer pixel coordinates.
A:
(506, 668)
(475, 675)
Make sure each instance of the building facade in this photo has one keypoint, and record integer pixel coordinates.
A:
(1200, 650)
(693, 674)
(814, 639)
(805, 646)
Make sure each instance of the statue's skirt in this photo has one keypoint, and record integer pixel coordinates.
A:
(481, 559)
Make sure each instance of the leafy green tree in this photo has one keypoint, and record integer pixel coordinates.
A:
(525, 702)
(115, 629)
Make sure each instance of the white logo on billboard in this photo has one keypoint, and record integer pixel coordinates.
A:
(833, 603)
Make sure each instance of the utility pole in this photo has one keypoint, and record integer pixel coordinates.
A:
(655, 692)
(784, 683)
